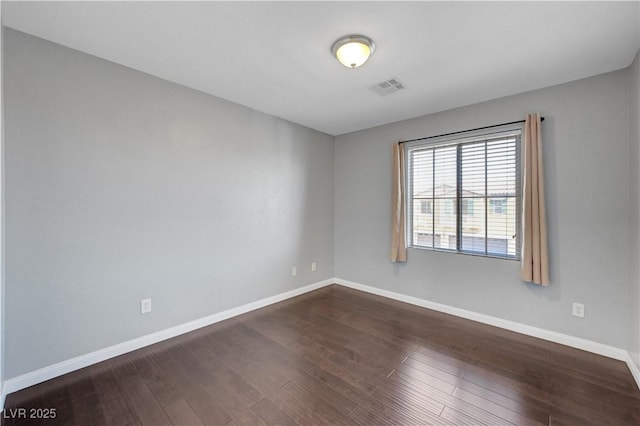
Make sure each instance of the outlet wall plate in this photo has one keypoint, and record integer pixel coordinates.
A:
(145, 306)
(578, 310)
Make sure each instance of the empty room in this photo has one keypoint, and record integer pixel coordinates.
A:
(281, 213)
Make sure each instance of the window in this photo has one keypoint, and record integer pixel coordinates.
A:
(467, 206)
(464, 193)
(498, 206)
(426, 207)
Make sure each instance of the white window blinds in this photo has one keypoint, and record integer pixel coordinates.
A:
(463, 194)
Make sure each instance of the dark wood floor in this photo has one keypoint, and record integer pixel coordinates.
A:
(338, 356)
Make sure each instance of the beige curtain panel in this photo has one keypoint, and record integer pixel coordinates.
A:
(398, 236)
(535, 256)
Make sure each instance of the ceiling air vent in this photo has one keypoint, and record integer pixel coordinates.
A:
(387, 87)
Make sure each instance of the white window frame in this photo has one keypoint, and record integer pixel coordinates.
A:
(516, 129)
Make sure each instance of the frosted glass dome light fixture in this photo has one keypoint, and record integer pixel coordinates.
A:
(353, 50)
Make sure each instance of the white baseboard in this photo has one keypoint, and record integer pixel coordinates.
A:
(43, 374)
(552, 336)
(635, 372)
(64, 367)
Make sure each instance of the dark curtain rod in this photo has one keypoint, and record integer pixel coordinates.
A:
(465, 131)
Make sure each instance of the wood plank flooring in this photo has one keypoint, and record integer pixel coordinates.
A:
(339, 356)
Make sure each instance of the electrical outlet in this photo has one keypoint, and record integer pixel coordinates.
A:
(294, 271)
(313, 266)
(578, 310)
(145, 306)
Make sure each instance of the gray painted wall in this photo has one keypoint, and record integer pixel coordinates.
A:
(2, 248)
(586, 147)
(121, 186)
(634, 241)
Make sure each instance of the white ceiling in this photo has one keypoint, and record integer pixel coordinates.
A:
(275, 56)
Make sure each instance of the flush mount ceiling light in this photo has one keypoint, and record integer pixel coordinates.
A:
(353, 50)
